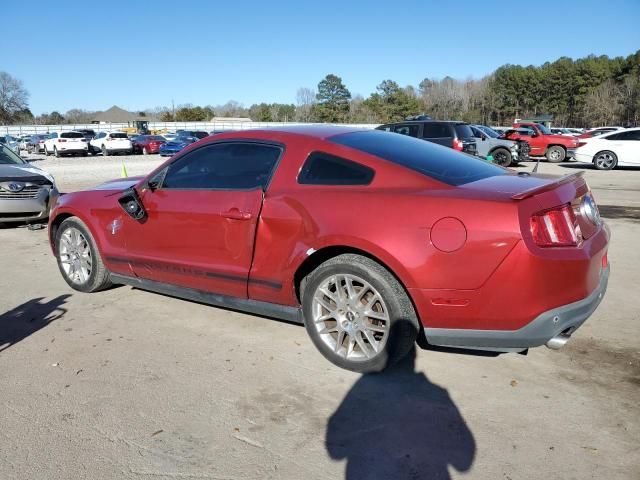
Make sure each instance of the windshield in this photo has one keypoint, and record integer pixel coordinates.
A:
(7, 157)
(489, 131)
(543, 129)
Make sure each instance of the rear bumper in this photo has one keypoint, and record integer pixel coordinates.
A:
(560, 321)
(120, 150)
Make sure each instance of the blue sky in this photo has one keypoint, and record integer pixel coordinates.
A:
(140, 55)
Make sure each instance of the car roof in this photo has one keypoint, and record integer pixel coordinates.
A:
(453, 122)
(313, 130)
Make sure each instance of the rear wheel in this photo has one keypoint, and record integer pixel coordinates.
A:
(55, 152)
(105, 152)
(555, 154)
(357, 314)
(605, 160)
(78, 258)
(502, 157)
(145, 151)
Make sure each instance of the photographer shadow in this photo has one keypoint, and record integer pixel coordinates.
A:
(399, 425)
(26, 319)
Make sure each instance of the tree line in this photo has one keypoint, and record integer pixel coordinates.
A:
(590, 91)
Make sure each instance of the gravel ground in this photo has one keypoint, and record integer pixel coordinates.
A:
(128, 384)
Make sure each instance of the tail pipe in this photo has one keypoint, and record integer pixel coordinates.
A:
(560, 340)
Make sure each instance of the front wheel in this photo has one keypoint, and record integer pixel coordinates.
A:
(605, 160)
(502, 157)
(78, 258)
(357, 314)
(555, 154)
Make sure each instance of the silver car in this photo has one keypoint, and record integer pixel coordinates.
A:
(26, 192)
(504, 152)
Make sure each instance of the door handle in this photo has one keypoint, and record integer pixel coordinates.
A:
(235, 214)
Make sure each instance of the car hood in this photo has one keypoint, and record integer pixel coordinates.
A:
(19, 172)
(175, 144)
(118, 184)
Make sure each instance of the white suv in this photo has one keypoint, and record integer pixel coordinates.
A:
(65, 143)
(110, 143)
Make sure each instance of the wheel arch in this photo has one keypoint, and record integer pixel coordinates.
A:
(321, 255)
(564, 147)
(54, 225)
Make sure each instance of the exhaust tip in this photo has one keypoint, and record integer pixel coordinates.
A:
(557, 342)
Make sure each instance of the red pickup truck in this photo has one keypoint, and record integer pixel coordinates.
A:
(544, 143)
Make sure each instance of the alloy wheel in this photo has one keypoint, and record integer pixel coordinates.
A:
(75, 256)
(605, 161)
(351, 317)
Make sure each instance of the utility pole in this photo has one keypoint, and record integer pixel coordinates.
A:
(173, 110)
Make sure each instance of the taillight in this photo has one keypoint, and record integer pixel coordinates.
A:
(457, 144)
(605, 260)
(581, 144)
(61, 140)
(555, 228)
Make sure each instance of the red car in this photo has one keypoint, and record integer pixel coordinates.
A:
(147, 144)
(556, 148)
(369, 238)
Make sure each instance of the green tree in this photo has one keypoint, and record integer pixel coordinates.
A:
(391, 103)
(333, 100)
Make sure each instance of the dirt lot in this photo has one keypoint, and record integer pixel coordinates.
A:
(128, 384)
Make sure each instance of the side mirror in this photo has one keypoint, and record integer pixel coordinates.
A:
(534, 134)
(131, 203)
(483, 137)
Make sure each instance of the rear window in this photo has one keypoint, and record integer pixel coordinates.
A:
(440, 163)
(156, 137)
(118, 135)
(71, 135)
(464, 131)
(436, 130)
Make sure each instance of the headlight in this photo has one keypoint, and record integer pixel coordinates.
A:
(514, 147)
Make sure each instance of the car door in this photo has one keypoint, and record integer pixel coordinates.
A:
(536, 142)
(483, 142)
(626, 145)
(202, 218)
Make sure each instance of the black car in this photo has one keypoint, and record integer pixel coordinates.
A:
(452, 134)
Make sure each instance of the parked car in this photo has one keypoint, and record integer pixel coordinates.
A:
(26, 192)
(65, 143)
(565, 131)
(556, 148)
(596, 132)
(199, 134)
(110, 144)
(147, 144)
(170, 136)
(369, 238)
(456, 135)
(171, 147)
(11, 142)
(488, 142)
(24, 141)
(36, 143)
(609, 150)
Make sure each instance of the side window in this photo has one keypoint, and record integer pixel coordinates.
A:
(386, 128)
(617, 136)
(629, 135)
(325, 169)
(411, 130)
(436, 130)
(224, 166)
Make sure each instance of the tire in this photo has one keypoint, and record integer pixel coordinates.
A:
(502, 157)
(347, 338)
(605, 160)
(105, 152)
(46, 152)
(74, 253)
(145, 151)
(555, 154)
(55, 152)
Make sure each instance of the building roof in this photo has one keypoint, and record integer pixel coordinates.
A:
(117, 115)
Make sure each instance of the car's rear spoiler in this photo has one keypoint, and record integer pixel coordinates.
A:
(547, 186)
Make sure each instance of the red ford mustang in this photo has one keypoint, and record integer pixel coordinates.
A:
(369, 238)
(146, 144)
